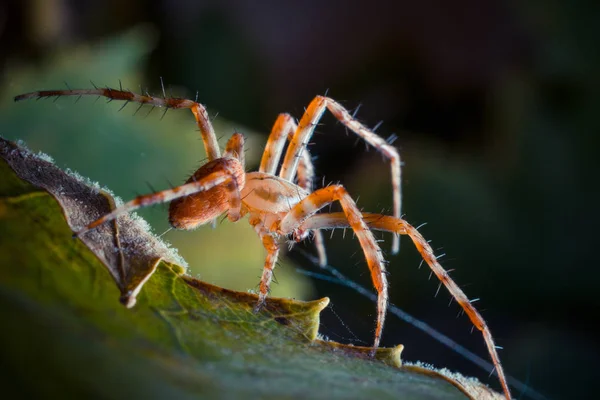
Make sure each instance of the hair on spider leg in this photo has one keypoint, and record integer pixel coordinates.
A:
(152, 188)
(162, 85)
(273, 276)
(355, 111)
(438, 290)
(290, 243)
(377, 126)
(392, 138)
(164, 113)
(123, 106)
(151, 109)
(451, 301)
(420, 226)
(169, 183)
(138, 109)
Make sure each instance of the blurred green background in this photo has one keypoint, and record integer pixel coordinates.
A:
(495, 106)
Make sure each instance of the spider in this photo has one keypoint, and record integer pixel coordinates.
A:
(284, 204)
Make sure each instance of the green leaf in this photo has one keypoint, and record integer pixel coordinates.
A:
(65, 334)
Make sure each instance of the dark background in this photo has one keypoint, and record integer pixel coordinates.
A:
(495, 105)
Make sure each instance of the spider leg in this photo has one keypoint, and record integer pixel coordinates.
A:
(283, 127)
(283, 130)
(272, 248)
(306, 174)
(210, 181)
(353, 217)
(206, 129)
(401, 227)
(306, 127)
(235, 148)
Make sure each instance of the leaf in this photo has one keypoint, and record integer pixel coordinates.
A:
(65, 334)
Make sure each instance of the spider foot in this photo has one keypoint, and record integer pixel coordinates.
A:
(372, 352)
(259, 305)
(262, 298)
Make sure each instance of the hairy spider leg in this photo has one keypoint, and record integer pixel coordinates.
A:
(235, 149)
(306, 175)
(207, 132)
(401, 227)
(306, 128)
(272, 248)
(215, 179)
(283, 126)
(320, 198)
(283, 130)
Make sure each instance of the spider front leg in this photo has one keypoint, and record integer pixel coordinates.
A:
(401, 227)
(305, 130)
(283, 130)
(202, 120)
(319, 199)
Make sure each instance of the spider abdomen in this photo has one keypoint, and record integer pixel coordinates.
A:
(199, 208)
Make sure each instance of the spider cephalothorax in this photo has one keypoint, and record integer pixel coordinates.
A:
(284, 204)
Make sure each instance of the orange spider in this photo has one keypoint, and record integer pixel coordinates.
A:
(285, 204)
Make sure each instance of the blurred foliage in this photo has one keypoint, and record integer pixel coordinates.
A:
(135, 155)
